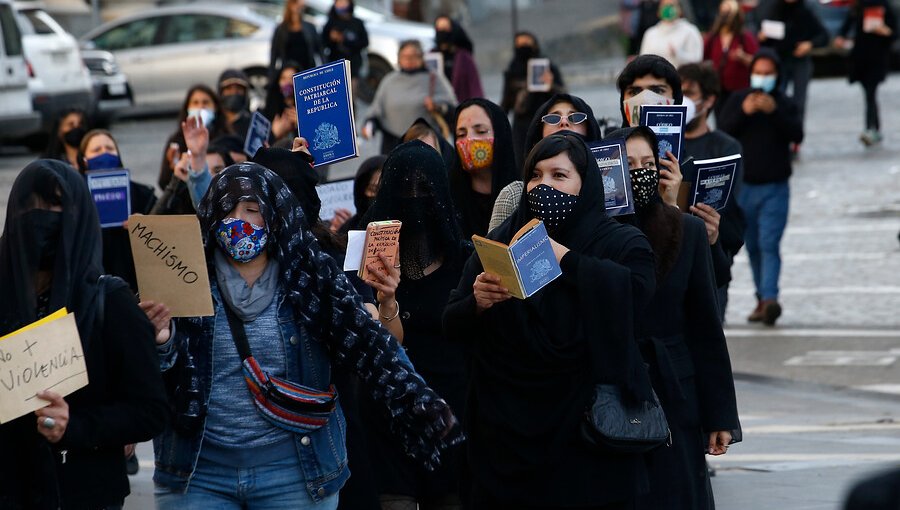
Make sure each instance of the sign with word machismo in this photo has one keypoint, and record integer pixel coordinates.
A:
(45, 355)
(170, 263)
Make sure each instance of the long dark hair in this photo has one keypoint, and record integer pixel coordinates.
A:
(56, 148)
(734, 21)
(220, 123)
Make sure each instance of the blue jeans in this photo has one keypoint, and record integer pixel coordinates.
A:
(766, 210)
(279, 484)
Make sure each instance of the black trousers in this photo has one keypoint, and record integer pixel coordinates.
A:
(872, 121)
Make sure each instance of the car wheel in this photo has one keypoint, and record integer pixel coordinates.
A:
(259, 83)
(378, 69)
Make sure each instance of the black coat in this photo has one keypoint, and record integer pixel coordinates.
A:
(356, 39)
(682, 340)
(800, 24)
(765, 138)
(124, 403)
(117, 257)
(279, 52)
(871, 53)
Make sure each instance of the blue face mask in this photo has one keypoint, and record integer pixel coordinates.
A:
(241, 240)
(104, 161)
(764, 82)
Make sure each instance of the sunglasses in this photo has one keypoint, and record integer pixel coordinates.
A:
(554, 118)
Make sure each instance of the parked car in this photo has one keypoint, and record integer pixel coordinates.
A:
(112, 93)
(17, 117)
(58, 78)
(165, 50)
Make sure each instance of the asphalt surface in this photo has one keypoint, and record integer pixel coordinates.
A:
(819, 394)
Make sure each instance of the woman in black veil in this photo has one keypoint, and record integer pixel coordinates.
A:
(71, 455)
(534, 362)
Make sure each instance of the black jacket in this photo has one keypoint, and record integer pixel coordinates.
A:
(870, 56)
(800, 24)
(124, 403)
(356, 39)
(765, 138)
(278, 55)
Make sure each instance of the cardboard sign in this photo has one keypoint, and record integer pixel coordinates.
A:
(170, 263)
(45, 355)
(335, 195)
(111, 191)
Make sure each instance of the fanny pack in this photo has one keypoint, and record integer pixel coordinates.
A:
(288, 405)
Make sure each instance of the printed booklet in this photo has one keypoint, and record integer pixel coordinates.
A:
(324, 101)
(527, 265)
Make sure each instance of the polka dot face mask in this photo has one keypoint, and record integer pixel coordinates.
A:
(550, 205)
(645, 185)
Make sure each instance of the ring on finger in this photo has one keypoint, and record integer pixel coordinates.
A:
(48, 422)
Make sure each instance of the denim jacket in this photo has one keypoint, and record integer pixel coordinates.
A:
(322, 453)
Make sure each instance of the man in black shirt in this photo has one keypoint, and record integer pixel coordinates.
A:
(700, 84)
(765, 122)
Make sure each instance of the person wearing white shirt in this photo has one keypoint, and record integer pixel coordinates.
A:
(673, 38)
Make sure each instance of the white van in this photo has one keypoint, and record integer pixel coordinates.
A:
(17, 118)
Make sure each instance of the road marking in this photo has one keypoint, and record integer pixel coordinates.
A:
(811, 333)
(891, 226)
(796, 461)
(881, 388)
(844, 358)
(796, 429)
(817, 291)
(828, 257)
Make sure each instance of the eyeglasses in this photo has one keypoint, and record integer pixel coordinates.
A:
(554, 118)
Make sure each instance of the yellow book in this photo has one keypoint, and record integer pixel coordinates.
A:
(526, 265)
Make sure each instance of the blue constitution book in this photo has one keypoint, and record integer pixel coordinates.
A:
(714, 181)
(526, 265)
(111, 191)
(613, 162)
(324, 100)
(257, 134)
(667, 121)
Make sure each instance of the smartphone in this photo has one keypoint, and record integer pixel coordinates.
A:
(176, 155)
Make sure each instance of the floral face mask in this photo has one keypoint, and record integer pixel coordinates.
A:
(241, 240)
(475, 154)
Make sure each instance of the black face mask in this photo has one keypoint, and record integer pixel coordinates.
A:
(551, 205)
(40, 229)
(234, 102)
(73, 137)
(644, 186)
(524, 53)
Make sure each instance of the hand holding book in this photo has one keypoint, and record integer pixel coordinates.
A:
(488, 291)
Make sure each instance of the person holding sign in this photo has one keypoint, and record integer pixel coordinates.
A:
(534, 361)
(874, 24)
(69, 454)
(283, 313)
(99, 151)
(414, 190)
(681, 338)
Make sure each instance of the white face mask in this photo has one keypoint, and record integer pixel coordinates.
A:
(633, 105)
(691, 109)
(764, 82)
(206, 115)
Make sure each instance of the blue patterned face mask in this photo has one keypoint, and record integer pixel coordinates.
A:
(241, 240)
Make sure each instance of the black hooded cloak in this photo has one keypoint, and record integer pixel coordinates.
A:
(475, 208)
(119, 406)
(536, 128)
(534, 362)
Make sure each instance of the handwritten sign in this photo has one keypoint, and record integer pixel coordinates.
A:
(111, 191)
(46, 355)
(335, 195)
(382, 238)
(170, 263)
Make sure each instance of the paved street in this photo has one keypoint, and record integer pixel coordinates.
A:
(820, 393)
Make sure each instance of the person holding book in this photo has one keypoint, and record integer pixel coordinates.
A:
(100, 151)
(562, 112)
(406, 95)
(700, 84)
(801, 31)
(69, 453)
(673, 37)
(284, 307)
(766, 122)
(681, 338)
(873, 24)
(729, 47)
(533, 361)
(485, 162)
(459, 64)
(517, 99)
(432, 252)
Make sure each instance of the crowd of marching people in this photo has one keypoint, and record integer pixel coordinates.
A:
(428, 385)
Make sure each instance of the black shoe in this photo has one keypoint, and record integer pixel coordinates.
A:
(771, 312)
(132, 465)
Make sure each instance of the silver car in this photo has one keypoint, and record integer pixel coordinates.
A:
(165, 50)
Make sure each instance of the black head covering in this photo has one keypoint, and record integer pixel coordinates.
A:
(770, 54)
(642, 66)
(361, 182)
(457, 36)
(414, 190)
(518, 66)
(79, 254)
(232, 77)
(297, 174)
(503, 171)
(325, 303)
(661, 223)
(535, 129)
(608, 318)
